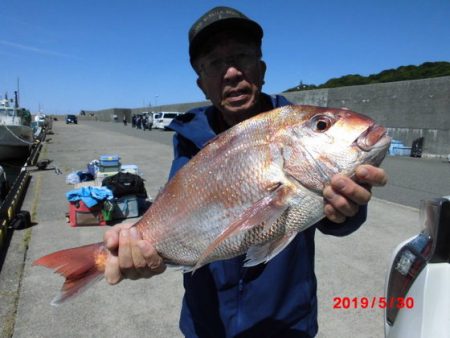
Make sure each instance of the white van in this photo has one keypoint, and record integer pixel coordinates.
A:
(162, 120)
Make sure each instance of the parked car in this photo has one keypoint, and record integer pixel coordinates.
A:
(418, 281)
(162, 120)
(71, 119)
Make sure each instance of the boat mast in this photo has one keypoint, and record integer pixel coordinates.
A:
(16, 94)
(16, 100)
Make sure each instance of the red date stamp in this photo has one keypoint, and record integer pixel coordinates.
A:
(373, 302)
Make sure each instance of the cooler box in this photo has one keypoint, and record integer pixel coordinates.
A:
(126, 207)
(109, 169)
(81, 215)
(109, 161)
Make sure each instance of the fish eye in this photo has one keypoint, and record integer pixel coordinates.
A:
(321, 123)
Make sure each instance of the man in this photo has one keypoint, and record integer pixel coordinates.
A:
(150, 121)
(224, 299)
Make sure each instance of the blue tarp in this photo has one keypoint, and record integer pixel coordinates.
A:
(89, 195)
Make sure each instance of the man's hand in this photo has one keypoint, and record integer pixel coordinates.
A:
(130, 256)
(344, 196)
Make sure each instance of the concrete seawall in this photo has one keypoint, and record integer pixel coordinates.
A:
(409, 109)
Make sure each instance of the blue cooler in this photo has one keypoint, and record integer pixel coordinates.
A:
(109, 163)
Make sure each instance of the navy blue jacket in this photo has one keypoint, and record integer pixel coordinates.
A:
(224, 299)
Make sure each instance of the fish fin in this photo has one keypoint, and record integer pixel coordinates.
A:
(81, 267)
(186, 269)
(266, 210)
(264, 253)
(182, 268)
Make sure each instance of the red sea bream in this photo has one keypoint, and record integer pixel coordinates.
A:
(248, 191)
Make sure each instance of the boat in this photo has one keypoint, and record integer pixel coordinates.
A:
(16, 133)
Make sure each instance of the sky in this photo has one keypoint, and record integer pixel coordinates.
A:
(68, 56)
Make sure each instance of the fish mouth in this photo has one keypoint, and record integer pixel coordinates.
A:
(374, 137)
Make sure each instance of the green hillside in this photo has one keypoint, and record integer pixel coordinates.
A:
(425, 70)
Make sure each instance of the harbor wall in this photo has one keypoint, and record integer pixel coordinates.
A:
(409, 109)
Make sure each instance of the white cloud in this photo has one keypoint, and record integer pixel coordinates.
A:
(34, 49)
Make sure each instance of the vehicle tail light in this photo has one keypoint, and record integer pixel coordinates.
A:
(432, 245)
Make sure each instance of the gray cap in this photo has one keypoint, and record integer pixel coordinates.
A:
(220, 18)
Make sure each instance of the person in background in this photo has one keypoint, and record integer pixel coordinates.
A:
(223, 298)
(144, 122)
(150, 121)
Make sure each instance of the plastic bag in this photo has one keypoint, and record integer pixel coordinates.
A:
(73, 178)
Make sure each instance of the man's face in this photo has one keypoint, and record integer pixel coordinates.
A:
(231, 75)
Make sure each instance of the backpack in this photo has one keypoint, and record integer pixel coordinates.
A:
(122, 184)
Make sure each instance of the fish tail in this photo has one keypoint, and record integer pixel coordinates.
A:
(81, 266)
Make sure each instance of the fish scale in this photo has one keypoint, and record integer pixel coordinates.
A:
(186, 226)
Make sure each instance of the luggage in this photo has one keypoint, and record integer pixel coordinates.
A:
(128, 206)
(81, 215)
(122, 184)
(125, 207)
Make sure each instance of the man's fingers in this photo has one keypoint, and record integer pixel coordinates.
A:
(341, 203)
(112, 270)
(153, 259)
(344, 191)
(130, 256)
(371, 175)
(125, 255)
(333, 215)
(137, 257)
(111, 237)
(344, 196)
